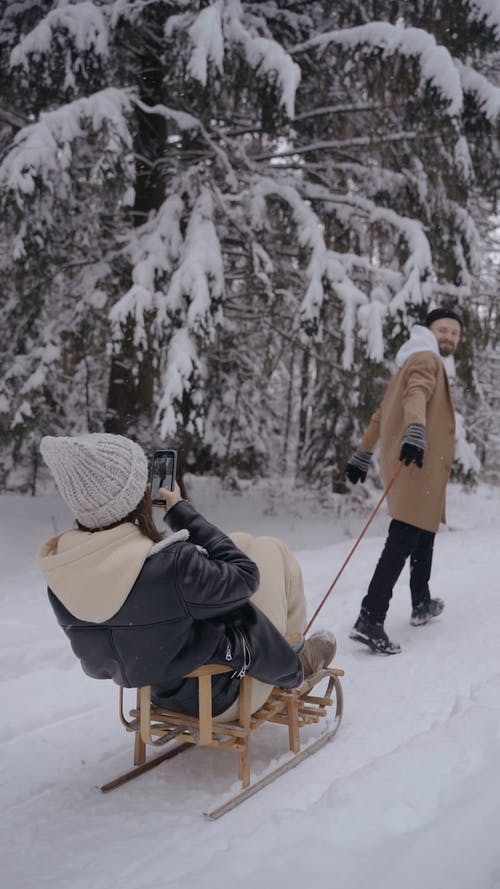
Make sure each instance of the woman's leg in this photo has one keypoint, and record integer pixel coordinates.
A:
(281, 589)
(280, 596)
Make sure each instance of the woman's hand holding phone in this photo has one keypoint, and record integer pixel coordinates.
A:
(170, 497)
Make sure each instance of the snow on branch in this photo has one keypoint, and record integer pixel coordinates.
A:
(486, 93)
(488, 11)
(436, 64)
(463, 160)
(324, 266)
(371, 324)
(264, 55)
(206, 35)
(471, 239)
(192, 305)
(390, 277)
(221, 24)
(445, 290)
(410, 229)
(43, 357)
(199, 279)
(182, 119)
(185, 121)
(154, 248)
(184, 364)
(417, 268)
(42, 152)
(465, 451)
(343, 144)
(84, 23)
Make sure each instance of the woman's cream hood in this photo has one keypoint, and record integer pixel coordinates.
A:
(93, 573)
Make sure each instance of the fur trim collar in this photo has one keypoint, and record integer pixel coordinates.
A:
(177, 536)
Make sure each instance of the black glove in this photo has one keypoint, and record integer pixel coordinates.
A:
(412, 454)
(354, 473)
(358, 466)
(413, 445)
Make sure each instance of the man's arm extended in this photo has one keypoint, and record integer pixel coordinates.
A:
(359, 463)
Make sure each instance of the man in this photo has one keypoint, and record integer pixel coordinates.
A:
(415, 423)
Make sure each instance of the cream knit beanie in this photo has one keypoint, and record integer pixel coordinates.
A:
(101, 477)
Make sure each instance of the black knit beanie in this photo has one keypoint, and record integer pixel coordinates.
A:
(436, 314)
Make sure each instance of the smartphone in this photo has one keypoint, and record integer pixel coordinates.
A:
(163, 472)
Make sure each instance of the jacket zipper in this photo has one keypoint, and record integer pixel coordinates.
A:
(247, 655)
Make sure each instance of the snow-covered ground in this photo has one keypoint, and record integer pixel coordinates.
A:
(406, 795)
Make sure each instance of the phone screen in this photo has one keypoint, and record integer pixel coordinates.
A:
(162, 473)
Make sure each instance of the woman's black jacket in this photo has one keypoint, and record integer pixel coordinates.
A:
(186, 608)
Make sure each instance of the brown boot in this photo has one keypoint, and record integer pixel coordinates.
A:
(317, 652)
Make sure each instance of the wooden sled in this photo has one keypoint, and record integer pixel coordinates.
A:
(294, 708)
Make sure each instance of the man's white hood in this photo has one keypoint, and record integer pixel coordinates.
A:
(423, 340)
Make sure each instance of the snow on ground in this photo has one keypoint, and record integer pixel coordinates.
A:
(406, 794)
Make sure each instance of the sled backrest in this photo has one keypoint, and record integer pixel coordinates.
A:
(156, 726)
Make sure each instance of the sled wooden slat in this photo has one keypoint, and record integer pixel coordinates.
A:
(296, 708)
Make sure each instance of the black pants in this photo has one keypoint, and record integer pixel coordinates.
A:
(402, 541)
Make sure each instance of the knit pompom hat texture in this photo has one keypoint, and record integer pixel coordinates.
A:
(101, 477)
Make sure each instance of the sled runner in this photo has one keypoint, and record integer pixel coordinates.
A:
(294, 708)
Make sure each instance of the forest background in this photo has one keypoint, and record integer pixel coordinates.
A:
(219, 221)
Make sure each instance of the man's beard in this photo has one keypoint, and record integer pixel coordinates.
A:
(446, 349)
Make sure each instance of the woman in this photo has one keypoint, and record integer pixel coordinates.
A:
(142, 609)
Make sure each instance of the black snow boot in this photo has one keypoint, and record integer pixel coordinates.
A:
(423, 613)
(372, 633)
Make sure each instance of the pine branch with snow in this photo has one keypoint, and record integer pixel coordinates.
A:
(220, 219)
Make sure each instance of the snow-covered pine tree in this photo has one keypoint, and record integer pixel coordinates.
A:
(220, 218)
(400, 87)
(480, 393)
(65, 178)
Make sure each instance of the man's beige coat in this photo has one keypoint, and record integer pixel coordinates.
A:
(418, 393)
